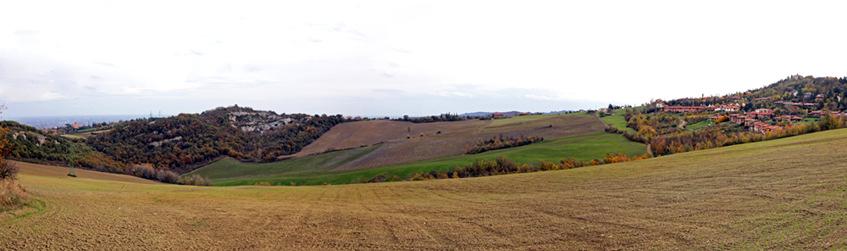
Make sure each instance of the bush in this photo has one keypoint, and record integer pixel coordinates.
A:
(503, 165)
(12, 195)
(7, 170)
(194, 180)
(151, 173)
(501, 142)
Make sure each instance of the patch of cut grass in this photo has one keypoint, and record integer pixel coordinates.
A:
(699, 125)
(617, 120)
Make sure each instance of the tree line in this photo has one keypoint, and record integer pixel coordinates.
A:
(503, 165)
(434, 118)
(501, 142)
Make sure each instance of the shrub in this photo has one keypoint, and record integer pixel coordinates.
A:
(506, 165)
(194, 180)
(547, 165)
(503, 165)
(12, 195)
(615, 158)
(7, 170)
(501, 142)
(151, 173)
(420, 176)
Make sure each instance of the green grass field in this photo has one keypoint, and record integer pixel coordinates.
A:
(314, 170)
(617, 120)
(699, 125)
(229, 167)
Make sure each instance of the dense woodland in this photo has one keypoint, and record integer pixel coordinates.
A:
(182, 142)
(28, 143)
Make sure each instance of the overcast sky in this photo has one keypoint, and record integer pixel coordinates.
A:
(401, 57)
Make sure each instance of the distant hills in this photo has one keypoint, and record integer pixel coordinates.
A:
(178, 143)
(183, 141)
(186, 142)
(44, 122)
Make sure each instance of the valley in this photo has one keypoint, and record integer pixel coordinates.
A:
(786, 193)
(423, 125)
(322, 169)
(383, 148)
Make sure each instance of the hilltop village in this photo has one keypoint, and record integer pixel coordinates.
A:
(761, 120)
(792, 106)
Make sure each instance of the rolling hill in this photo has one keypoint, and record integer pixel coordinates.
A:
(788, 193)
(382, 148)
(322, 169)
(182, 143)
(404, 142)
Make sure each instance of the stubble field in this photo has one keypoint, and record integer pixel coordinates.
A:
(786, 194)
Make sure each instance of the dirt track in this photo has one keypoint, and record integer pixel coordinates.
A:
(787, 194)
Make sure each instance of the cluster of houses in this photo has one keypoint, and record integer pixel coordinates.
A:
(257, 121)
(757, 120)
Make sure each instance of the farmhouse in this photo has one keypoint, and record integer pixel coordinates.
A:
(762, 127)
(789, 118)
(761, 113)
(728, 108)
(737, 118)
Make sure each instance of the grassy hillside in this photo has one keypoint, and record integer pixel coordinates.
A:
(229, 167)
(617, 120)
(700, 125)
(782, 194)
(316, 170)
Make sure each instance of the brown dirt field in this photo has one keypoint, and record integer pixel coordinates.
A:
(454, 139)
(783, 194)
(62, 172)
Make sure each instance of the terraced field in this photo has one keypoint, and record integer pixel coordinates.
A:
(782, 194)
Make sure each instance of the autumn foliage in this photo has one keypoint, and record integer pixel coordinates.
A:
(12, 195)
(501, 142)
(502, 165)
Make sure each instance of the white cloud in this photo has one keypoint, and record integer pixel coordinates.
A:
(322, 51)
